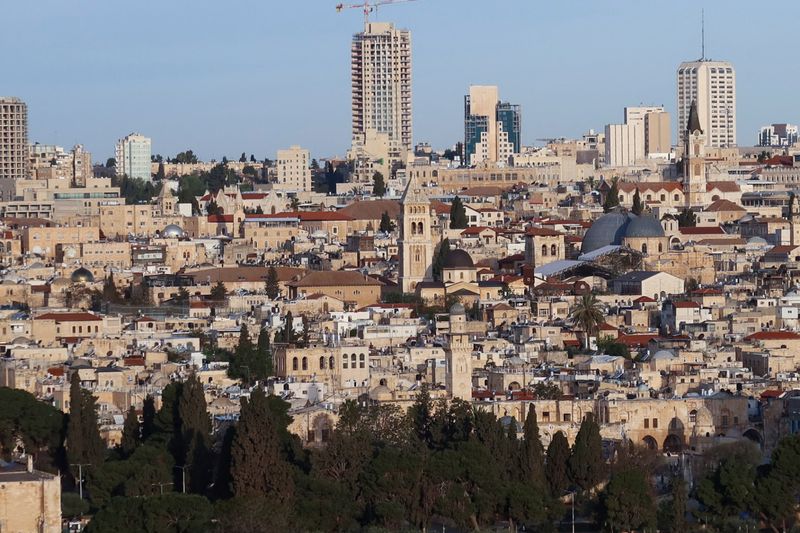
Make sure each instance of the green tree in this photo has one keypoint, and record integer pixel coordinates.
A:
(195, 435)
(262, 360)
(557, 466)
(110, 293)
(588, 314)
(458, 214)
(438, 261)
(612, 197)
(182, 297)
(84, 444)
(148, 417)
(186, 157)
(294, 204)
(288, 335)
(586, 465)
(213, 209)
(687, 218)
(239, 367)
(259, 466)
(111, 162)
(387, 226)
(38, 426)
(378, 185)
(131, 437)
(160, 175)
(672, 512)
(610, 346)
(272, 285)
(628, 501)
(532, 453)
(218, 292)
(637, 207)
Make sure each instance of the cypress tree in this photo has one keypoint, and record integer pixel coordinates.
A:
(195, 432)
(272, 287)
(612, 198)
(130, 433)
(288, 328)
(148, 417)
(532, 456)
(378, 185)
(557, 464)
(258, 465)
(84, 444)
(637, 207)
(586, 465)
(242, 356)
(438, 262)
(386, 226)
(263, 356)
(458, 214)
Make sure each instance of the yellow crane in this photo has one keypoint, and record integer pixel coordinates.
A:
(369, 7)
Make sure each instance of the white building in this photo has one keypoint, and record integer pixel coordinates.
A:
(294, 171)
(653, 122)
(777, 135)
(133, 156)
(491, 127)
(712, 84)
(380, 69)
(624, 144)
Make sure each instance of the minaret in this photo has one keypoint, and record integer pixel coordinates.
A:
(694, 157)
(458, 356)
(416, 245)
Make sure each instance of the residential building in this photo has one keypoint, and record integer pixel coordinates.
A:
(491, 127)
(13, 138)
(133, 156)
(657, 134)
(624, 144)
(380, 69)
(712, 85)
(777, 135)
(294, 170)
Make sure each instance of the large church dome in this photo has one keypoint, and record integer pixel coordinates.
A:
(608, 229)
(644, 226)
(457, 259)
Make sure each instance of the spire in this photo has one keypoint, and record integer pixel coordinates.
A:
(694, 120)
(414, 193)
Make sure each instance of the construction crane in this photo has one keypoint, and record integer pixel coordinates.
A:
(369, 7)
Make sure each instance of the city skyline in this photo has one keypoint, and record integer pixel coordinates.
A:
(295, 73)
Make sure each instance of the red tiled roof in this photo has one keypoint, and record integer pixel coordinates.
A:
(69, 317)
(653, 186)
(475, 230)
(644, 299)
(722, 186)
(772, 336)
(772, 393)
(638, 339)
(542, 232)
(724, 205)
(220, 218)
(685, 305)
(133, 361)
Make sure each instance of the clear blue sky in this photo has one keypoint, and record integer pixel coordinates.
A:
(227, 76)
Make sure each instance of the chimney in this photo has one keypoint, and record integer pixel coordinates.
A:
(30, 463)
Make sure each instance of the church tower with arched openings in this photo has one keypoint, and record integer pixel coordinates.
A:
(694, 157)
(416, 245)
(458, 355)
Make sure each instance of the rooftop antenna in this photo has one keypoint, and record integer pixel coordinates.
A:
(702, 35)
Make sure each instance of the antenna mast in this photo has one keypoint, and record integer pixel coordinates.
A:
(702, 35)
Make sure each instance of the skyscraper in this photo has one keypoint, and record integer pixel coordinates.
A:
(712, 85)
(380, 69)
(13, 138)
(133, 156)
(492, 130)
(294, 172)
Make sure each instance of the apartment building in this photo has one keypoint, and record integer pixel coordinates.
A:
(13, 138)
(491, 127)
(712, 84)
(133, 156)
(294, 170)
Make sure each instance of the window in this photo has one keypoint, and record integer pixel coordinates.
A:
(544, 250)
(553, 249)
(361, 360)
(655, 423)
(546, 416)
(331, 362)
(567, 417)
(305, 363)
(294, 363)
(322, 362)
(646, 423)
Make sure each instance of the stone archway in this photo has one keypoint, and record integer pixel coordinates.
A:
(514, 385)
(754, 436)
(650, 443)
(673, 444)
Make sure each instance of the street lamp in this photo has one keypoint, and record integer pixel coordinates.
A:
(183, 475)
(80, 476)
(161, 485)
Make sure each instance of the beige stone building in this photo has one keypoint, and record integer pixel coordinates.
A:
(294, 170)
(337, 367)
(44, 241)
(353, 288)
(13, 138)
(30, 500)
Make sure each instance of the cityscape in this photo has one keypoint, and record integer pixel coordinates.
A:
(501, 332)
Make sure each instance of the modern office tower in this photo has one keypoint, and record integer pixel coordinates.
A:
(380, 69)
(13, 138)
(294, 172)
(778, 135)
(624, 144)
(712, 85)
(133, 156)
(492, 130)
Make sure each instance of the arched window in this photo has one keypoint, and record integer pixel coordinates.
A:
(544, 250)
(322, 362)
(644, 247)
(305, 363)
(697, 170)
(693, 416)
(331, 362)
(660, 247)
(294, 363)
(361, 360)
(696, 149)
(675, 197)
(420, 228)
(553, 250)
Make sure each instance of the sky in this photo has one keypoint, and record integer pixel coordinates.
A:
(226, 76)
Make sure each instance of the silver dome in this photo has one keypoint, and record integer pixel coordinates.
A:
(172, 231)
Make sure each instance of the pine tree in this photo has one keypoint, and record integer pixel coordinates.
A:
(637, 207)
(378, 185)
(586, 465)
(612, 197)
(160, 175)
(148, 417)
(258, 464)
(130, 433)
(84, 444)
(458, 214)
(678, 504)
(262, 363)
(218, 292)
(557, 468)
(242, 356)
(272, 287)
(386, 226)
(532, 456)
(195, 435)
(438, 262)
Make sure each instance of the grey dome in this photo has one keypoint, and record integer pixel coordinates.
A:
(82, 275)
(644, 226)
(608, 229)
(172, 231)
(458, 309)
(457, 259)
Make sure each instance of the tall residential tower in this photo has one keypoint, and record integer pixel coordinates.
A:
(492, 130)
(712, 86)
(133, 156)
(380, 70)
(13, 138)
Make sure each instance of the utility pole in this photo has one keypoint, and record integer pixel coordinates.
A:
(183, 475)
(161, 485)
(80, 476)
(573, 511)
